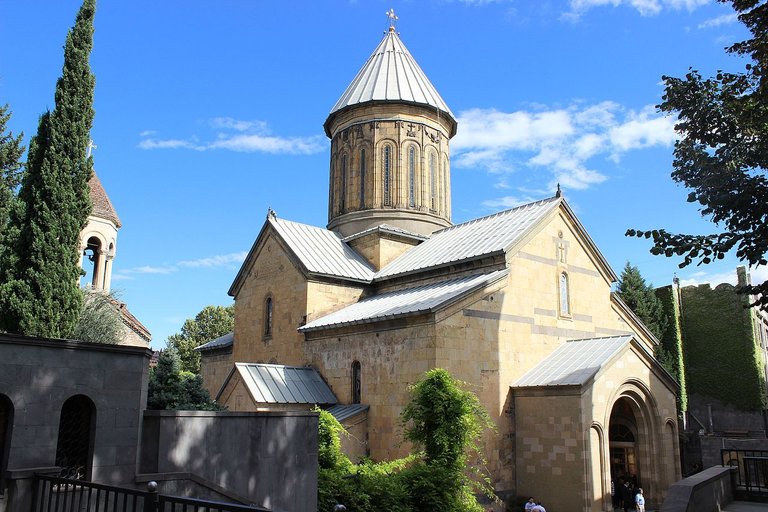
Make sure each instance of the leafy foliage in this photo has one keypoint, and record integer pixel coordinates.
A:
(641, 298)
(210, 323)
(39, 271)
(722, 155)
(444, 419)
(171, 388)
(99, 321)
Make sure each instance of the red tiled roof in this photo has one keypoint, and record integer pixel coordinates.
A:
(102, 206)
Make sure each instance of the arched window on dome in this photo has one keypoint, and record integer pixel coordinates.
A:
(357, 388)
(268, 314)
(565, 307)
(386, 171)
(412, 176)
(343, 191)
(362, 178)
(432, 182)
(445, 197)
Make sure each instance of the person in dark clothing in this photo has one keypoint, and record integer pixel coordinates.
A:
(626, 496)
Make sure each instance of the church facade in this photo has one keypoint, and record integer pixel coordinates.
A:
(517, 304)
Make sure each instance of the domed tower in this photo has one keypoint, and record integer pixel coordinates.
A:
(390, 158)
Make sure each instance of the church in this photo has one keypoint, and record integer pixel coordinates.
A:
(517, 304)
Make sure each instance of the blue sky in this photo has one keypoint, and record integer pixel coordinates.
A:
(208, 113)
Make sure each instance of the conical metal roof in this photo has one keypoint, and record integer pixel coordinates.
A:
(391, 74)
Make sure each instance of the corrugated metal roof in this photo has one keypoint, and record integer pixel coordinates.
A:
(391, 74)
(574, 362)
(403, 302)
(279, 384)
(472, 239)
(221, 342)
(322, 251)
(342, 412)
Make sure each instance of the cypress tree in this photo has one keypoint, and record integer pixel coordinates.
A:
(40, 294)
(11, 150)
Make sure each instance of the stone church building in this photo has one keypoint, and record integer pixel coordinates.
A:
(517, 304)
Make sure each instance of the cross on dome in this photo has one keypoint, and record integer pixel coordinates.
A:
(392, 19)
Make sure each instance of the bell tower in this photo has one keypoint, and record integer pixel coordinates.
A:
(98, 240)
(390, 157)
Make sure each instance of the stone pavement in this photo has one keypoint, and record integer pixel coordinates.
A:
(746, 506)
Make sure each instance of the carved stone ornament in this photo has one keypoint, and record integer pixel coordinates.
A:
(411, 131)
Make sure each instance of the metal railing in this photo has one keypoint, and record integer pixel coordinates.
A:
(53, 494)
(750, 477)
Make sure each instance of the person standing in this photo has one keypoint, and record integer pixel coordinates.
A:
(530, 504)
(626, 496)
(640, 500)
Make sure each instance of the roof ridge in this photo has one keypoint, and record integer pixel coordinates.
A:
(495, 214)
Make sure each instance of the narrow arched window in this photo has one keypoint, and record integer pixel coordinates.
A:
(412, 177)
(331, 195)
(6, 425)
(357, 388)
(268, 317)
(432, 182)
(362, 178)
(74, 448)
(564, 298)
(343, 191)
(387, 174)
(445, 186)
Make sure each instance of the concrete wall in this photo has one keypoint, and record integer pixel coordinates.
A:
(708, 491)
(38, 375)
(269, 458)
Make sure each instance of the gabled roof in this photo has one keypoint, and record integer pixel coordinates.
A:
(484, 236)
(102, 206)
(574, 363)
(420, 299)
(391, 74)
(279, 384)
(221, 342)
(320, 251)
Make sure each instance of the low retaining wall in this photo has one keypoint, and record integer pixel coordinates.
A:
(707, 491)
(266, 458)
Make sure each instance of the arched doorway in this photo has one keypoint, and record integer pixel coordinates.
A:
(74, 449)
(6, 425)
(625, 447)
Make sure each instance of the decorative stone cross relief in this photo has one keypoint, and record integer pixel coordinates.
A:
(562, 251)
(411, 132)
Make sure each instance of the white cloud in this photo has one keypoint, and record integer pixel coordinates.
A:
(725, 19)
(644, 7)
(216, 261)
(241, 136)
(563, 141)
(507, 202)
(210, 262)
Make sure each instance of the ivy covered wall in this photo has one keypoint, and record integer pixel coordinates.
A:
(721, 357)
(670, 350)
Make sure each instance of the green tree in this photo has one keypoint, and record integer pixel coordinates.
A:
(446, 421)
(210, 323)
(641, 298)
(39, 292)
(722, 154)
(171, 388)
(11, 150)
(99, 321)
